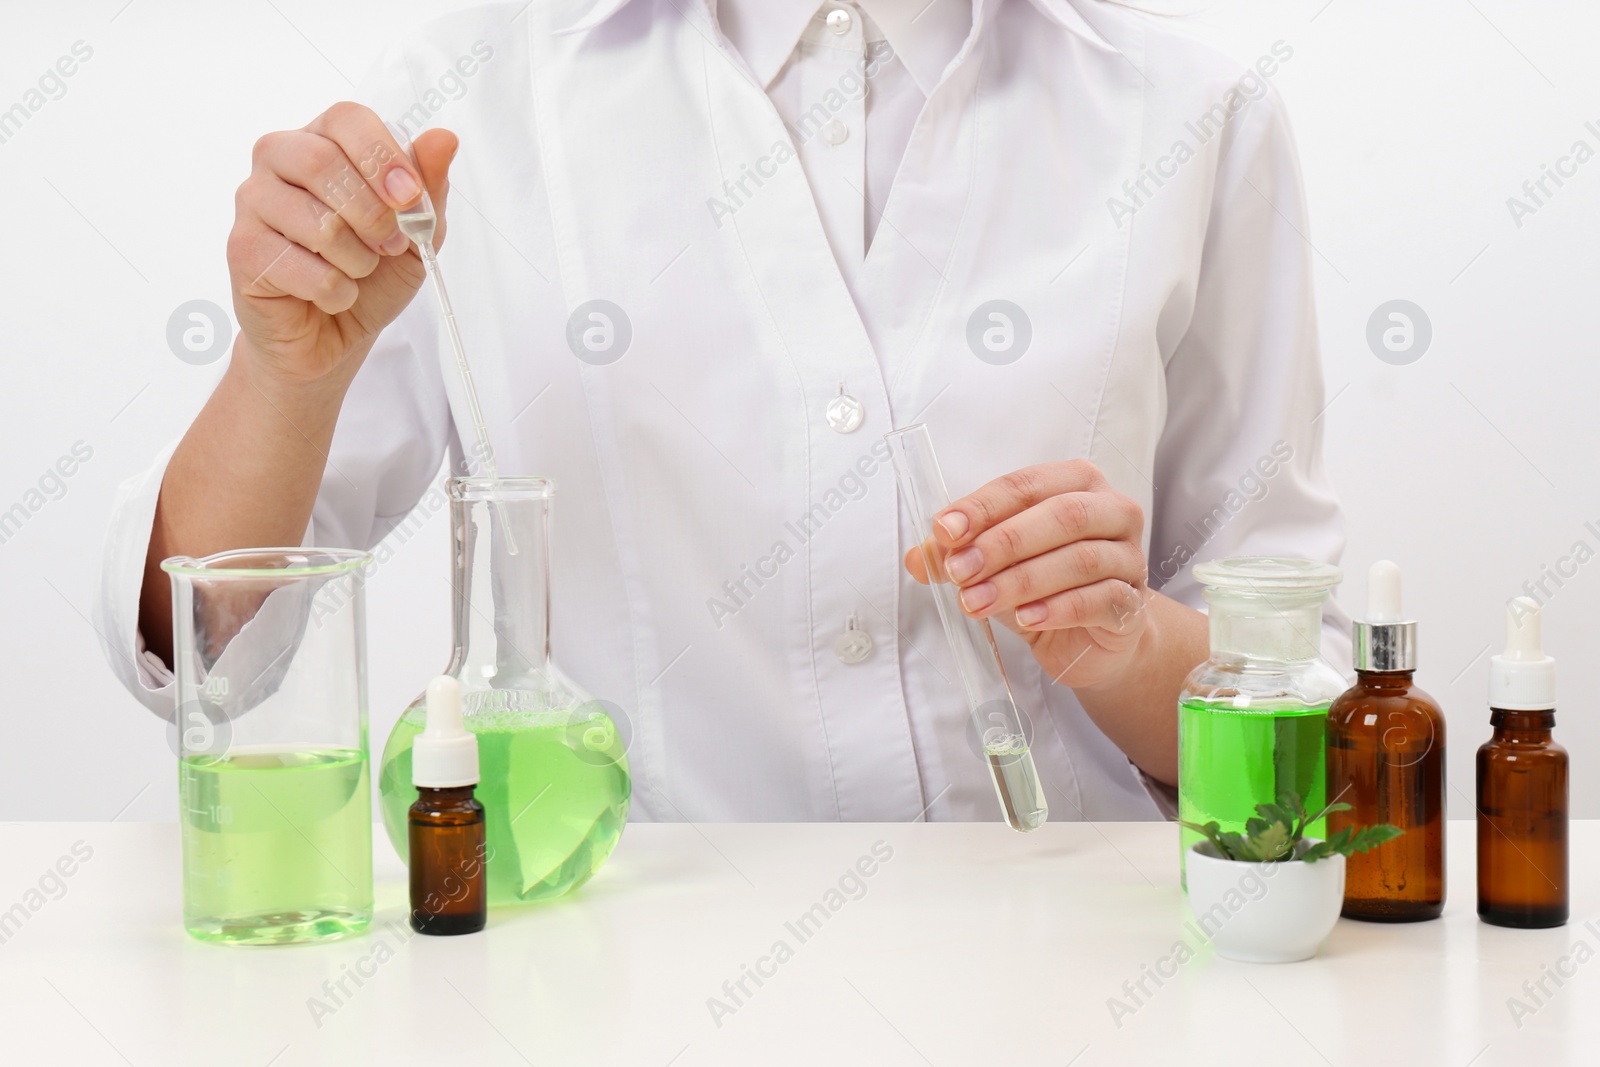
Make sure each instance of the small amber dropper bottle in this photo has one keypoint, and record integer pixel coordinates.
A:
(1386, 760)
(1522, 785)
(446, 827)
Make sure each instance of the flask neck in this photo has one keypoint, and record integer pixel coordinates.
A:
(501, 617)
(1277, 628)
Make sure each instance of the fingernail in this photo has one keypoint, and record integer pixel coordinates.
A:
(1032, 614)
(396, 244)
(401, 186)
(955, 524)
(978, 597)
(964, 564)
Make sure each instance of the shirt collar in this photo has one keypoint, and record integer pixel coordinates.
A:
(1064, 13)
(764, 32)
(926, 36)
(784, 13)
(579, 16)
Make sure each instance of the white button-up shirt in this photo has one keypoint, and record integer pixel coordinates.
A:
(1091, 246)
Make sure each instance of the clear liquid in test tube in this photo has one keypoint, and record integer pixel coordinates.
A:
(983, 677)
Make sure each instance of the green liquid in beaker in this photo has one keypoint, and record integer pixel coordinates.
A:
(554, 787)
(277, 845)
(1231, 759)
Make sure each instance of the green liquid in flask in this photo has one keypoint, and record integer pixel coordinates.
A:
(554, 787)
(1231, 759)
(277, 845)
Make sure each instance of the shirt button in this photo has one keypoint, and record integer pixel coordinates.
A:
(854, 645)
(835, 132)
(846, 413)
(839, 21)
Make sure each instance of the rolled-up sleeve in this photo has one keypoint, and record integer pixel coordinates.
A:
(116, 609)
(387, 449)
(1239, 466)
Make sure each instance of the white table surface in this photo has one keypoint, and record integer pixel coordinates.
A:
(971, 945)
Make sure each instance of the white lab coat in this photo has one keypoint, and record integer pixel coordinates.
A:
(713, 531)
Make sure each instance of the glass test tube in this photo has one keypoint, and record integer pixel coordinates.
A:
(983, 677)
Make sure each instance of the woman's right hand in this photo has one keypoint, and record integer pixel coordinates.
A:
(318, 262)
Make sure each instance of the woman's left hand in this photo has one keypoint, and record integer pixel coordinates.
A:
(1051, 552)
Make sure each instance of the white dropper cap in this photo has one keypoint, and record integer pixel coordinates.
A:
(1522, 678)
(444, 755)
(1385, 640)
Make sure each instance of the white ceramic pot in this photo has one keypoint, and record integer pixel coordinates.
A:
(1264, 912)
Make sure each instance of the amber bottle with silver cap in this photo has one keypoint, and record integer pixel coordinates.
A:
(1386, 759)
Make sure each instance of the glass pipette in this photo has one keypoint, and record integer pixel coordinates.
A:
(983, 676)
(418, 223)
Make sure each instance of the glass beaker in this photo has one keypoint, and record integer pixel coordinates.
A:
(269, 658)
(554, 779)
(1252, 719)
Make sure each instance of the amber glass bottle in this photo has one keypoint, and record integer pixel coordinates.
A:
(445, 828)
(1522, 822)
(1386, 759)
(446, 835)
(1522, 785)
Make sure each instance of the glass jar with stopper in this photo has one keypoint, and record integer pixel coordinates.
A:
(1252, 719)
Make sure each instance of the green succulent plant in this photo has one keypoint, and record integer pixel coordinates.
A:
(1277, 834)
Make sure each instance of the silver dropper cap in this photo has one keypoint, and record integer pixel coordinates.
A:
(1384, 640)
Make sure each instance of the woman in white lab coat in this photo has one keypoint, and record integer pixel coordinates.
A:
(703, 262)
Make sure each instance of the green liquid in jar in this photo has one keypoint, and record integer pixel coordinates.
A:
(554, 786)
(1231, 759)
(277, 845)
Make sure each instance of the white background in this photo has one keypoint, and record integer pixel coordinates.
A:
(1472, 467)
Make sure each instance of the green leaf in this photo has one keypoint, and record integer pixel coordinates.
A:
(1273, 813)
(1373, 836)
(1352, 839)
(1270, 835)
(1232, 845)
(1269, 842)
(1211, 831)
(1293, 807)
(1325, 812)
(1289, 800)
(1208, 830)
(1276, 831)
(1337, 845)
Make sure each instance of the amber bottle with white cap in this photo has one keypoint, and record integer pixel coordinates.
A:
(1386, 760)
(1522, 785)
(446, 834)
